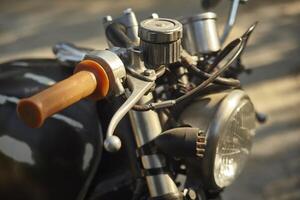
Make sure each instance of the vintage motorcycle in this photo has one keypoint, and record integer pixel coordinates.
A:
(171, 120)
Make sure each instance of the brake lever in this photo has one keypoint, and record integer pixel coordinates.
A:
(138, 86)
(138, 89)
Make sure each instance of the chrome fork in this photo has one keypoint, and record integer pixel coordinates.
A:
(146, 126)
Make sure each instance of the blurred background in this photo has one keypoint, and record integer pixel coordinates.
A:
(29, 28)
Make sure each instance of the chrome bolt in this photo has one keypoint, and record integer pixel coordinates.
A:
(107, 19)
(154, 16)
(127, 11)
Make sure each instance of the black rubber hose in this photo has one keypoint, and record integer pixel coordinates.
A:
(241, 42)
(187, 61)
(116, 34)
(220, 80)
(192, 93)
(221, 55)
(217, 73)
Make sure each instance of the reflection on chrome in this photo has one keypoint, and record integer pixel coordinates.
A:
(15, 149)
(68, 120)
(87, 157)
(4, 99)
(39, 78)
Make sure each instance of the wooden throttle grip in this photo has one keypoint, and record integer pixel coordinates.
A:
(90, 79)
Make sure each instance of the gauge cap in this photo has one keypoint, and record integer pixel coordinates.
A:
(160, 30)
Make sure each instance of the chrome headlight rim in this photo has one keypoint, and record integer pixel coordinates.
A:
(225, 111)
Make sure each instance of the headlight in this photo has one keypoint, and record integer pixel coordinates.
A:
(235, 141)
(228, 119)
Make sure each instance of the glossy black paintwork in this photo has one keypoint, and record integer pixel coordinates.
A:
(56, 161)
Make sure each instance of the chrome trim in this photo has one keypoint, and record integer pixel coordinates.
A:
(210, 113)
(224, 112)
(200, 35)
(146, 126)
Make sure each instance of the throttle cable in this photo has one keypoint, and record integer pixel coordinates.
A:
(194, 91)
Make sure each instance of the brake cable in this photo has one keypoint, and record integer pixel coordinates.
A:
(194, 91)
(242, 41)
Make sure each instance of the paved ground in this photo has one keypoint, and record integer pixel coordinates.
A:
(29, 28)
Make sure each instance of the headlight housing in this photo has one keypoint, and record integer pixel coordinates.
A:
(228, 119)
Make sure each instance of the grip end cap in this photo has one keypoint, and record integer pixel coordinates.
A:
(30, 113)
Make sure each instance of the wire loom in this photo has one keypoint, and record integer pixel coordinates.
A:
(211, 78)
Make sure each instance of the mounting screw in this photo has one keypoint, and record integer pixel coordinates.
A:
(107, 19)
(190, 194)
(154, 16)
(127, 11)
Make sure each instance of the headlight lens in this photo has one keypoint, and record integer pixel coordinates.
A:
(234, 144)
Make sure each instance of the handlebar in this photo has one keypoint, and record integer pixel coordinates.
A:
(89, 80)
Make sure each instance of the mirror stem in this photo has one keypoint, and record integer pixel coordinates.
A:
(230, 20)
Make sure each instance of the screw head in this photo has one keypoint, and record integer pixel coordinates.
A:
(127, 11)
(107, 18)
(192, 194)
(154, 16)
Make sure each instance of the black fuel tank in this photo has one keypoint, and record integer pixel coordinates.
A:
(56, 161)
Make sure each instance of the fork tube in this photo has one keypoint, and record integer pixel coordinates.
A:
(146, 126)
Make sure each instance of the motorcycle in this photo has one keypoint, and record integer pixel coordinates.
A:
(158, 115)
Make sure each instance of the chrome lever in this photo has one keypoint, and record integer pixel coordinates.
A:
(139, 88)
